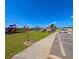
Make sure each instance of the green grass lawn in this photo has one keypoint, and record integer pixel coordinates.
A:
(14, 42)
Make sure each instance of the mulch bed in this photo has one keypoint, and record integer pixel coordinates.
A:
(30, 42)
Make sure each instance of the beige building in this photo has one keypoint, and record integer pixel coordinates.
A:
(69, 29)
(48, 29)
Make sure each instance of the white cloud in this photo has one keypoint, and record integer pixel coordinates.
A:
(46, 25)
(29, 25)
(54, 22)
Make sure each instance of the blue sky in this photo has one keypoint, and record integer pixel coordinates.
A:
(39, 12)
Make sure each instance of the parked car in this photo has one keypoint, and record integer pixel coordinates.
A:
(63, 31)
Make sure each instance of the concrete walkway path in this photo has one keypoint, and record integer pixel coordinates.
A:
(39, 50)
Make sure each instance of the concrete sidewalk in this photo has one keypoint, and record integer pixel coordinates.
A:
(39, 50)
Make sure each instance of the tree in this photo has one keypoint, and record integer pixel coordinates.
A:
(53, 27)
(26, 29)
(14, 28)
(10, 29)
(37, 28)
